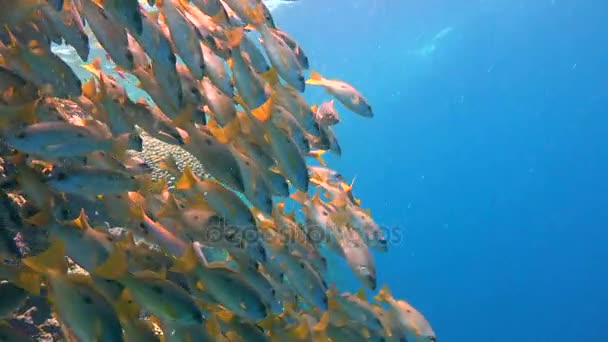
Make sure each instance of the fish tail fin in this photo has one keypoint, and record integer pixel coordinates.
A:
(89, 89)
(187, 262)
(115, 265)
(235, 36)
(224, 134)
(41, 218)
(271, 76)
(94, 67)
(323, 323)
(264, 111)
(384, 295)
(50, 261)
(169, 209)
(318, 155)
(184, 117)
(220, 16)
(256, 14)
(120, 145)
(25, 113)
(126, 308)
(187, 180)
(299, 196)
(28, 280)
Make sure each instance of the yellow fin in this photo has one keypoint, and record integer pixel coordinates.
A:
(184, 117)
(49, 261)
(29, 281)
(314, 108)
(263, 112)
(318, 155)
(81, 221)
(234, 36)
(224, 134)
(89, 89)
(315, 78)
(299, 196)
(300, 332)
(170, 209)
(384, 295)
(125, 307)
(186, 263)
(213, 326)
(41, 218)
(187, 180)
(114, 266)
(323, 322)
(225, 315)
(94, 67)
(361, 295)
(271, 76)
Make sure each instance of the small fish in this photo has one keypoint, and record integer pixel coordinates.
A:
(68, 24)
(184, 37)
(127, 12)
(255, 187)
(86, 313)
(15, 14)
(159, 233)
(61, 139)
(231, 290)
(162, 297)
(39, 65)
(216, 70)
(109, 33)
(295, 103)
(256, 57)
(410, 320)
(225, 202)
(91, 182)
(291, 162)
(158, 48)
(344, 92)
(358, 256)
(326, 114)
(298, 51)
(282, 58)
(216, 158)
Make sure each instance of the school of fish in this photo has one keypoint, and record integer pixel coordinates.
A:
(234, 253)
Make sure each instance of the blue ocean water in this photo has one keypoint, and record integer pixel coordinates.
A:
(487, 156)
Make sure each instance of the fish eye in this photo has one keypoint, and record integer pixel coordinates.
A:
(197, 317)
(62, 176)
(302, 266)
(87, 299)
(193, 90)
(129, 56)
(20, 135)
(157, 289)
(273, 292)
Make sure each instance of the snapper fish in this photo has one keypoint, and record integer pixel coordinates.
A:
(348, 95)
(326, 114)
